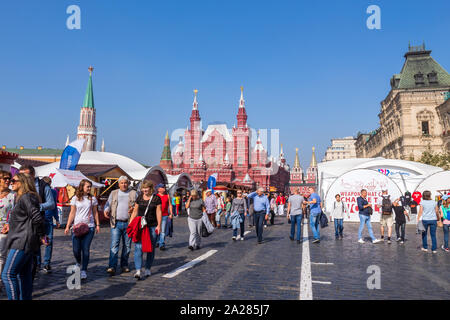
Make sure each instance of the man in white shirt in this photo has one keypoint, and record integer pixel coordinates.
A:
(118, 209)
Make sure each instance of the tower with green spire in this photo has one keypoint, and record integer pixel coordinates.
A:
(166, 157)
(87, 129)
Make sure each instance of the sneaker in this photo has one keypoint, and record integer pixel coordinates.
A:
(125, 269)
(292, 239)
(435, 251)
(46, 269)
(234, 238)
(402, 242)
(361, 241)
(242, 238)
(265, 226)
(111, 271)
(376, 241)
(83, 275)
(316, 241)
(398, 239)
(137, 275)
(191, 248)
(389, 241)
(147, 273)
(424, 250)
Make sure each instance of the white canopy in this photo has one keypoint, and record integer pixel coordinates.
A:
(62, 178)
(438, 184)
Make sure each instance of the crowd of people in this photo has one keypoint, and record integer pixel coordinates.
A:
(145, 217)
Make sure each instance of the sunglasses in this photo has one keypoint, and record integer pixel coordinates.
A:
(6, 178)
(14, 181)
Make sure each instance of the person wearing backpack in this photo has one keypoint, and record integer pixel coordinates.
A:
(386, 219)
(445, 216)
(339, 208)
(400, 220)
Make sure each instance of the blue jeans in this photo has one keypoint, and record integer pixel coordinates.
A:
(242, 226)
(81, 248)
(445, 229)
(150, 255)
(17, 275)
(338, 227)
(296, 220)
(259, 222)
(227, 216)
(433, 226)
(219, 211)
(314, 222)
(117, 234)
(164, 230)
(363, 219)
(48, 226)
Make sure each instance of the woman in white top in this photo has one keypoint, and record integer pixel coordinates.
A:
(6, 206)
(83, 210)
(429, 214)
(338, 212)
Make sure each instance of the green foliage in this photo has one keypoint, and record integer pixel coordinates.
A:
(441, 160)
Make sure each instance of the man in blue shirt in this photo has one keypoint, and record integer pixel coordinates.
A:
(364, 217)
(261, 207)
(315, 205)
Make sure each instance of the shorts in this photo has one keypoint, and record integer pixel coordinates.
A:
(386, 220)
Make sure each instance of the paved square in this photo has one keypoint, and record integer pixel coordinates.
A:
(246, 270)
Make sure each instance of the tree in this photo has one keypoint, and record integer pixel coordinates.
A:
(441, 160)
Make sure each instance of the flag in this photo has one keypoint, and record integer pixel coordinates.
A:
(212, 181)
(71, 155)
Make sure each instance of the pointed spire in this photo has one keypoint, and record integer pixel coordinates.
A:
(313, 158)
(297, 161)
(259, 146)
(242, 101)
(67, 141)
(103, 145)
(166, 157)
(195, 103)
(89, 96)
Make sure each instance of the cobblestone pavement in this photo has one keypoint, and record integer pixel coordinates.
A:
(247, 270)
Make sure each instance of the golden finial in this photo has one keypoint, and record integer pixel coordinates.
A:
(313, 149)
(91, 68)
(195, 91)
(242, 88)
(296, 149)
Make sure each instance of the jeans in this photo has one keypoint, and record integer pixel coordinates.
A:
(296, 220)
(150, 255)
(3, 250)
(48, 229)
(259, 221)
(17, 276)
(363, 219)
(433, 226)
(445, 229)
(169, 227)
(164, 231)
(81, 248)
(314, 223)
(218, 218)
(400, 230)
(227, 216)
(338, 227)
(242, 226)
(117, 234)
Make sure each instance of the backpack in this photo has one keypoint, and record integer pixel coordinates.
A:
(386, 205)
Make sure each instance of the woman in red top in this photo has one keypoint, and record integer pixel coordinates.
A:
(166, 210)
(281, 201)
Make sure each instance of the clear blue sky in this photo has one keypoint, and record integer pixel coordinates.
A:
(310, 68)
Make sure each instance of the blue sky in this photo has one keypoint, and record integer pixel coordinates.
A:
(309, 68)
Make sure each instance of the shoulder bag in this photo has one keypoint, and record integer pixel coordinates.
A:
(143, 220)
(81, 229)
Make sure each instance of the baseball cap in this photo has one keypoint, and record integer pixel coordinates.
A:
(160, 185)
(445, 197)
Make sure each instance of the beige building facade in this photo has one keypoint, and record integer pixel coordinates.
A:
(341, 148)
(444, 115)
(409, 121)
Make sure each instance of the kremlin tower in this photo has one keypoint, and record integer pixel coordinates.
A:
(87, 129)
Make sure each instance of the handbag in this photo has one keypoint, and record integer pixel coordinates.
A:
(81, 229)
(370, 210)
(420, 226)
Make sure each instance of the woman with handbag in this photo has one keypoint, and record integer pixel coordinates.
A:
(195, 207)
(84, 215)
(25, 236)
(148, 208)
(429, 214)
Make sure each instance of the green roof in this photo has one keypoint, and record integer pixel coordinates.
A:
(420, 70)
(89, 97)
(42, 152)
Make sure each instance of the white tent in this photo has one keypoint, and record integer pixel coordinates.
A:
(349, 185)
(62, 178)
(438, 184)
